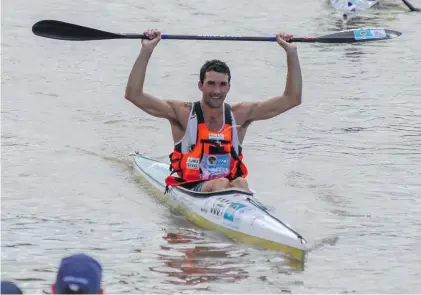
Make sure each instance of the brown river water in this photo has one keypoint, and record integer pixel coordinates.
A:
(343, 168)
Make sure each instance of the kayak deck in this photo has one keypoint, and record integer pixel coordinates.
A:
(234, 212)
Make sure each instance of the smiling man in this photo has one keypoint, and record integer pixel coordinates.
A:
(208, 134)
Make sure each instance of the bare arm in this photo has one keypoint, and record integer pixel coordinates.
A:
(248, 112)
(134, 89)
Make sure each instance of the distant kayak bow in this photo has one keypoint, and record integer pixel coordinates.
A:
(349, 7)
(66, 31)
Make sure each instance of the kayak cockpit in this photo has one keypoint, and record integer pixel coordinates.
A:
(228, 191)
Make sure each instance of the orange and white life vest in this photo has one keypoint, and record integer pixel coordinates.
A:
(203, 154)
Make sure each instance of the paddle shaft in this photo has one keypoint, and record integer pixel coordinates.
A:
(217, 38)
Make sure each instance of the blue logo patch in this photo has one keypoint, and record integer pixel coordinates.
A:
(231, 210)
(214, 166)
(364, 34)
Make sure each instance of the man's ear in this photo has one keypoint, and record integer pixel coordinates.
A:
(200, 85)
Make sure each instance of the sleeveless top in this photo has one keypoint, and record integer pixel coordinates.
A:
(203, 154)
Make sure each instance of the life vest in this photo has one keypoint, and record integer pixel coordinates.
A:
(203, 154)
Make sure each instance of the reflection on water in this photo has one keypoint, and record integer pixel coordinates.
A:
(189, 260)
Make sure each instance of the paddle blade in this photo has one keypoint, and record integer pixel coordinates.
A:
(354, 35)
(65, 31)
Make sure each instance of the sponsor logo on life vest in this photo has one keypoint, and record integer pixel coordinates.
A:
(215, 166)
(217, 161)
(216, 136)
(193, 163)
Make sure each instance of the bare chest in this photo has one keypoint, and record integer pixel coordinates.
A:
(214, 124)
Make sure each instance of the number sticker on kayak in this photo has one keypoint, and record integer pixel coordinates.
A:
(218, 206)
(364, 34)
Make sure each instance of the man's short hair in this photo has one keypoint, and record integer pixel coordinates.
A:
(214, 65)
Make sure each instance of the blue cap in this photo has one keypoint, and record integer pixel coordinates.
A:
(77, 273)
(10, 288)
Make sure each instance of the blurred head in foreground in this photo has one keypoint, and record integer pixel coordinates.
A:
(78, 274)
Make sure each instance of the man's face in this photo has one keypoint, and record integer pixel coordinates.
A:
(214, 88)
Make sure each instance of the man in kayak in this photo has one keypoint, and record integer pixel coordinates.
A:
(207, 134)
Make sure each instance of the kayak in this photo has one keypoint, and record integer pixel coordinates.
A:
(235, 212)
(352, 7)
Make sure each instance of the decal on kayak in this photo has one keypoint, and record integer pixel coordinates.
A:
(219, 205)
(232, 210)
(257, 219)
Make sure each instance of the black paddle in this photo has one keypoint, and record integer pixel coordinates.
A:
(409, 5)
(65, 31)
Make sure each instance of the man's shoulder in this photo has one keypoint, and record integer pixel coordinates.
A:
(241, 111)
(182, 110)
(240, 106)
(188, 104)
(180, 103)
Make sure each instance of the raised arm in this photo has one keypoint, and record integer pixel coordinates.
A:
(247, 112)
(134, 89)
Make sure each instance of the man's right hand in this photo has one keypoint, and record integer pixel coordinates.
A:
(154, 38)
(282, 39)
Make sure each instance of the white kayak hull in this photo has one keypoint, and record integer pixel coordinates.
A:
(352, 7)
(234, 212)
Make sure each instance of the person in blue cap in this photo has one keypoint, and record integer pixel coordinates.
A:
(8, 287)
(78, 274)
